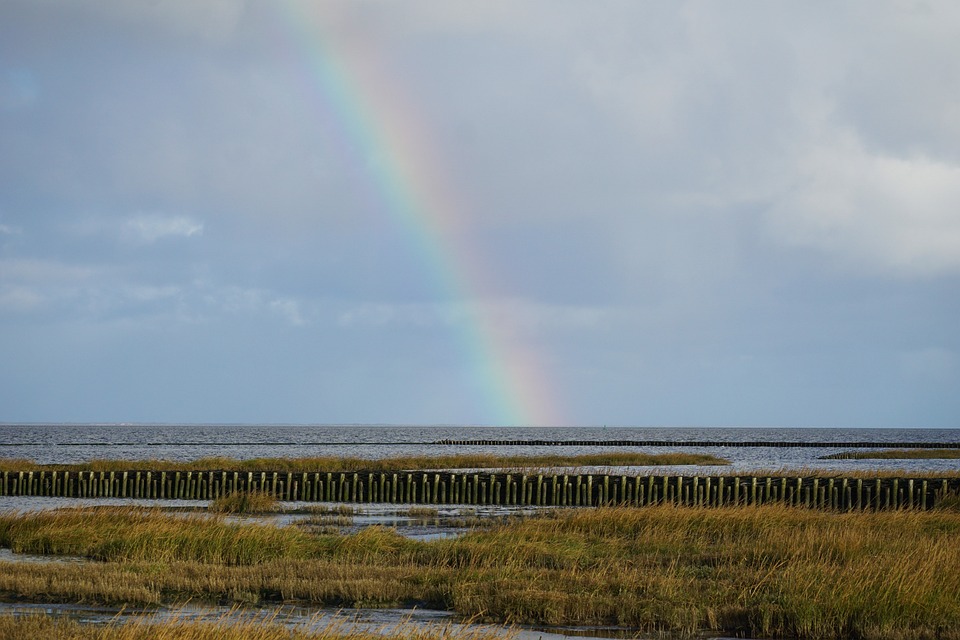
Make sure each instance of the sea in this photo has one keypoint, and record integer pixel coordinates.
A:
(74, 443)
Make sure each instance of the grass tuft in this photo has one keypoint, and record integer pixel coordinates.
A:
(245, 502)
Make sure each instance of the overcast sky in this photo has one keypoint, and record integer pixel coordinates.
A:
(616, 212)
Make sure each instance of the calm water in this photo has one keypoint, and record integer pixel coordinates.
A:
(315, 619)
(77, 443)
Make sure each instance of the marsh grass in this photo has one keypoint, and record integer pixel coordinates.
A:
(245, 502)
(328, 520)
(866, 474)
(765, 571)
(401, 463)
(327, 509)
(120, 534)
(232, 626)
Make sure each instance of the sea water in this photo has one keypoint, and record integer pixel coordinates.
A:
(70, 443)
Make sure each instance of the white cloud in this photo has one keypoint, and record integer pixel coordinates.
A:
(18, 299)
(251, 301)
(289, 309)
(873, 210)
(152, 227)
(147, 293)
(33, 271)
(382, 314)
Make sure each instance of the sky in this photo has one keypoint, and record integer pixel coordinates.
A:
(507, 212)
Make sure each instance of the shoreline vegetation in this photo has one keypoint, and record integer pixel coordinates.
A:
(399, 463)
(677, 571)
(232, 626)
(897, 454)
(766, 571)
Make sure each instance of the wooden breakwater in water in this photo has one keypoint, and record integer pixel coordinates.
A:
(498, 488)
(778, 444)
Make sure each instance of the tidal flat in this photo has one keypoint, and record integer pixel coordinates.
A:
(761, 571)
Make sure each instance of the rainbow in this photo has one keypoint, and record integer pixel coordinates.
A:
(381, 124)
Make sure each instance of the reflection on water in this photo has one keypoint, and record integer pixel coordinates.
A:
(6, 555)
(379, 621)
(411, 521)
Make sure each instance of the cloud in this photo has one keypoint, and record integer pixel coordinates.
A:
(19, 299)
(375, 314)
(288, 309)
(147, 293)
(209, 300)
(506, 315)
(29, 285)
(149, 228)
(212, 20)
(32, 270)
(872, 210)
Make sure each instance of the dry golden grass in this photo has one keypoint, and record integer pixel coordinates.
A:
(763, 571)
(403, 463)
(866, 474)
(232, 626)
(131, 534)
(245, 502)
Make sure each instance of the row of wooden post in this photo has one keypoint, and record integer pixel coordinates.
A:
(488, 488)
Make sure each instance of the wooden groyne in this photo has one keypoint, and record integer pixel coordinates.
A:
(779, 444)
(476, 488)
